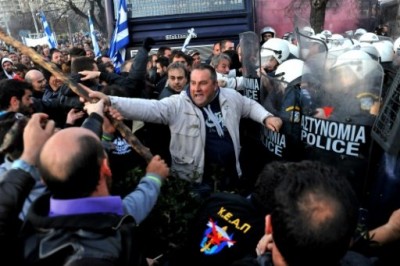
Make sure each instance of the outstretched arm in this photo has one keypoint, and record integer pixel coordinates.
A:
(141, 201)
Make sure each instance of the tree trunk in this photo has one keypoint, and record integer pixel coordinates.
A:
(317, 14)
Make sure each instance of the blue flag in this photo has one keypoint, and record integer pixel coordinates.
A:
(120, 38)
(50, 35)
(96, 48)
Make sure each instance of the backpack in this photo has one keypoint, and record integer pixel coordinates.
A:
(84, 239)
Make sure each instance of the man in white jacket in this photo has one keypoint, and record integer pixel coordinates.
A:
(204, 123)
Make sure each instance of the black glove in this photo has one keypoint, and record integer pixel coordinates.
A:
(148, 43)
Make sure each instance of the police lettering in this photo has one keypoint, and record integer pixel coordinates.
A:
(274, 142)
(333, 136)
(227, 216)
(252, 94)
(275, 149)
(251, 88)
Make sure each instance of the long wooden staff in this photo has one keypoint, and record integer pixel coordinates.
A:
(75, 87)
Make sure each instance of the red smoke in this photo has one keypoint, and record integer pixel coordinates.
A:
(338, 19)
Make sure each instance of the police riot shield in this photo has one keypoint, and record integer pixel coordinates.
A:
(338, 132)
(249, 48)
(286, 98)
(252, 156)
(385, 188)
(290, 101)
(313, 49)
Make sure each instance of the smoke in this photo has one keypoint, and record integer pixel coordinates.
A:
(339, 17)
(343, 18)
(272, 13)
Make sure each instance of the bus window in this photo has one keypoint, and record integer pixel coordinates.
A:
(151, 8)
(168, 21)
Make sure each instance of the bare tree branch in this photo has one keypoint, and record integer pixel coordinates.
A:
(317, 14)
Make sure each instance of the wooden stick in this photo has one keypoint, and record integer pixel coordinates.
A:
(75, 87)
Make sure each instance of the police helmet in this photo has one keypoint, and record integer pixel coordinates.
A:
(308, 31)
(369, 37)
(360, 31)
(369, 49)
(385, 49)
(293, 49)
(276, 47)
(268, 29)
(327, 33)
(290, 70)
(289, 36)
(358, 62)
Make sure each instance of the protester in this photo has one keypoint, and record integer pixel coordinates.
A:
(178, 77)
(228, 226)
(158, 136)
(226, 78)
(227, 45)
(15, 96)
(314, 217)
(122, 157)
(161, 64)
(203, 121)
(180, 57)
(74, 167)
(38, 81)
(195, 54)
(8, 69)
(216, 51)
(133, 80)
(17, 185)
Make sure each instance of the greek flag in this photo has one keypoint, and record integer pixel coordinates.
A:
(120, 38)
(50, 35)
(96, 48)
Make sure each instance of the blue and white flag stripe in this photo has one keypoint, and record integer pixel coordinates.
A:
(50, 35)
(96, 48)
(120, 37)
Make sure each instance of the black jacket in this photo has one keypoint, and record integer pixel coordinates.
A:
(227, 228)
(15, 187)
(133, 82)
(55, 240)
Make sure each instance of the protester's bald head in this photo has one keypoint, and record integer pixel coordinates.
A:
(70, 162)
(36, 78)
(33, 74)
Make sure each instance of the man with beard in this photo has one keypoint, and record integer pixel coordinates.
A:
(15, 96)
(15, 99)
(36, 78)
(8, 69)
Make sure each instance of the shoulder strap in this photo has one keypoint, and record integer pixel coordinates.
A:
(132, 252)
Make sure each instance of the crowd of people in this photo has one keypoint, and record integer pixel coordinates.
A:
(240, 129)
